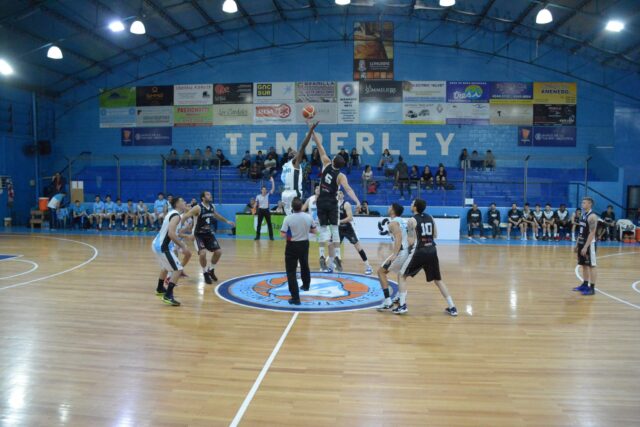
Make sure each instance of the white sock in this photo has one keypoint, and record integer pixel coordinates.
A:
(450, 302)
(366, 264)
(338, 253)
(205, 269)
(387, 301)
(321, 251)
(403, 298)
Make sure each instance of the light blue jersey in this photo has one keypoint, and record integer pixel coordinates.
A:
(98, 207)
(159, 205)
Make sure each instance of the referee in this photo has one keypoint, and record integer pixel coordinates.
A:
(262, 206)
(296, 228)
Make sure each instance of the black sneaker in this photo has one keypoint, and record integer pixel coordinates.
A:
(401, 309)
(452, 311)
(304, 288)
(338, 264)
(207, 278)
(170, 301)
(213, 275)
(294, 301)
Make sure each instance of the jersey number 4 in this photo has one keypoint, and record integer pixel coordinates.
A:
(427, 229)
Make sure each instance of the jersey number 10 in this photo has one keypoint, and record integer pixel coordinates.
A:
(427, 229)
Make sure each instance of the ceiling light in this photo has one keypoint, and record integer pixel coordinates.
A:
(447, 3)
(116, 26)
(544, 17)
(229, 6)
(5, 68)
(343, 2)
(54, 52)
(137, 27)
(615, 26)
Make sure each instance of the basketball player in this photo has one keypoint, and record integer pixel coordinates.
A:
(514, 217)
(549, 223)
(529, 221)
(311, 208)
(347, 231)
(328, 215)
(97, 211)
(185, 233)
(142, 215)
(575, 223)
(538, 217)
(398, 231)
(292, 175)
(586, 248)
(205, 240)
(109, 211)
(563, 221)
(130, 214)
(422, 231)
(163, 245)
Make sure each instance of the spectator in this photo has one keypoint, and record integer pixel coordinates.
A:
(274, 154)
(386, 157)
(58, 184)
(464, 159)
(402, 177)
(441, 176)
(390, 168)
(247, 156)
(185, 161)
(609, 218)
(97, 212)
(254, 171)
(194, 202)
(207, 158)
(515, 221)
(529, 221)
(549, 223)
(414, 177)
(279, 208)
(489, 161)
(476, 162)
(364, 208)
(259, 159)
(198, 159)
(109, 211)
(575, 223)
(315, 158)
(142, 216)
(355, 158)
(121, 213)
(244, 167)
(427, 177)
(79, 215)
(250, 207)
(160, 209)
(474, 221)
(172, 158)
(220, 159)
(493, 219)
(270, 167)
(130, 215)
(369, 180)
(563, 220)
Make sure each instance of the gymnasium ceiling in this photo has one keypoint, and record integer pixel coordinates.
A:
(177, 31)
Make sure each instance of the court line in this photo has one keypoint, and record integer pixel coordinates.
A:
(633, 285)
(26, 261)
(247, 400)
(475, 241)
(95, 255)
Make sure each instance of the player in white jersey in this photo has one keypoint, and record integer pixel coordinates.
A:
(163, 247)
(185, 233)
(398, 230)
(310, 206)
(292, 175)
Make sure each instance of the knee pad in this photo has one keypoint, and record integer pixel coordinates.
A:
(335, 234)
(325, 234)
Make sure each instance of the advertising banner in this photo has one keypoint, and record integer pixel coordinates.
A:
(133, 137)
(468, 114)
(233, 114)
(274, 114)
(381, 113)
(150, 96)
(380, 91)
(196, 94)
(424, 113)
(525, 136)
(470, 92)
(348, 103)
(314, 92)
(554, 115)
(233, 93)
(117, 117)
(193, 115)
(118, 98)
(373, 50)
(554, 93)
(424, 91)
(267, 93)
(547, 136)
(154, 116)
(326, 113)
(511, 90)
(511, 114)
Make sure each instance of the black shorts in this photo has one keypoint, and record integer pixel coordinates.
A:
(423, 259)
(564, 223)
(328, 212)
(588, 260)
(206, 241)
(347, 232)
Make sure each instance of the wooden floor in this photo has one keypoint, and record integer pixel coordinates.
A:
(93, 346)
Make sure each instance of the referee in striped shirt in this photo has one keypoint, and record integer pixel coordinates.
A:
(262, 207)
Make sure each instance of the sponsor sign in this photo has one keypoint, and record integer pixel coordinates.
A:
(547, 136)
(193, 115)
(424, 91)
(424, 113)
(373, 50)
(511, 90)
(269, 114)
(117, 117)
(233, 114)
(154, 116)
(135, 137)
(554, 115)
(233, 93)
(118, 98)
(196, 94)
(381, 113)
(265, 93)
(525, 136)
(149, 96)
(468, 114)
(326, 113)
(554, 93)
(348, 103)
(315, 92)
(380, 91)
(467, 92)
(511, 114)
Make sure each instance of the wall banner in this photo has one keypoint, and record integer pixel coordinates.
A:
(266, 93)
(150, 96)
(348, 103)
(554, 93)
(470, 92)
(154, 116)
(424, 113)
(373, 50)
(511, 114)
(554, 115)
(133, 137)
(117, 117)
(233, 114)
(274, 114)
(381, 113)
(233, 93)
(315, 92)
(193, 115)
(326, 113)
(468, 114)
(118, 98)
(380, 91)
(547, 136)
(511, 90)
(196, 94)
(424, 91)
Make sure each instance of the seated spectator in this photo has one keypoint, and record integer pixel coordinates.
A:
(250, 207)
(279, 208)
(538, 216)
(529, 222)
(493, 219)
(185, 160)
(198, 159)
(563, 220)
(475, 161)
(254, 171)
(120, 213)
(369, 180)
(474, 221)
(259, 159)
(515, 221)
(270, 166)
(464, 159)
(390, 168)
(193, 202)
(274, 154)
(427, 177)
(243, 167)
(130, 214)
(79, 215)
(402, 177)
(97, 211)
(364, 208)
(207, 158)
(220, 159)
(549, 223)
(414, 177)
(160, 209)
(172, 158)
(441, 176)
(247, 156)
(384, 159)
(142, 216)
(109, 211)
(489, 161)
(609, 218)
(355, 158)
(315, 158)
(575, 223)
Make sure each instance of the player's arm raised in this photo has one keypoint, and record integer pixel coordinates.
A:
(347, 210)
(300, 154)
(593, 225)
(323, 153)
(273, 186)
(344, 182)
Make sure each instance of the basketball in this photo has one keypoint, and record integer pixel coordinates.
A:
(309, 111)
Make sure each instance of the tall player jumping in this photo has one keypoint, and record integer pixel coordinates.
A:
(292, 174)
(586, 248)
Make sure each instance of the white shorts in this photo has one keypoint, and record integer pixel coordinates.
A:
(287, 198)
(168, 260)
(396, 265)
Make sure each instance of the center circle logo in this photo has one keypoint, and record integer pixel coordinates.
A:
(328, 292)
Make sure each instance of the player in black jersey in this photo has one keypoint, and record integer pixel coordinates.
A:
(586, 248)
(422, 232)
(204, 214)
(474, 221)
(348, 232)
(327, 205)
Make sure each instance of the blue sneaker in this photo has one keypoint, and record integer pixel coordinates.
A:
(581, 288)
(589, 291)
(368, 271)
